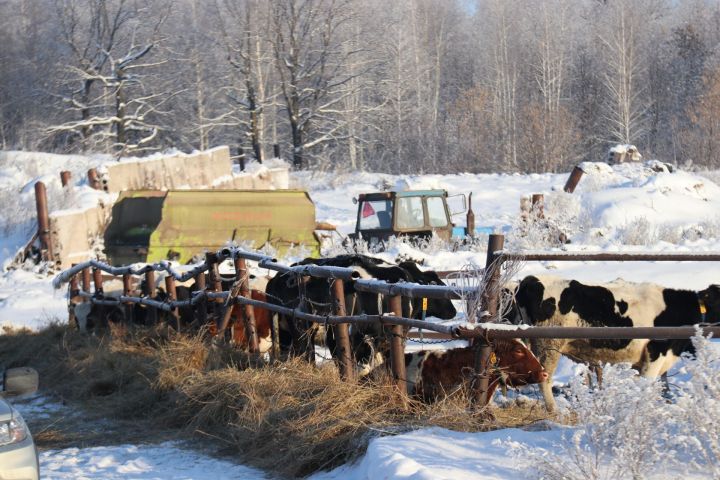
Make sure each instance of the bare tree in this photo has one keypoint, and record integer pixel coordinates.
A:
(311, 65)
(244, 31)
(622, 37)
(120, 114)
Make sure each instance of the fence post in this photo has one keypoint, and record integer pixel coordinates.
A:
(573, 179)
(538, 205)
(93, 179)
(214, 285)
(65, 177)
(85, 280)
(201, 307)
(172, 296)
(127, 291)
(342, 334)
(483, 349)
(73, 300)
(41, 205)
(397, 349)
(470, 218)
(97, 281)
(150, 292)
(243, 276)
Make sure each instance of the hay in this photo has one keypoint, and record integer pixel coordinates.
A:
(290, 418)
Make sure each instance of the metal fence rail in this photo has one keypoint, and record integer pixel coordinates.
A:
(210, 292)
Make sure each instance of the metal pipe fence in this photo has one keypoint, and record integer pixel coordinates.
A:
(481, 333)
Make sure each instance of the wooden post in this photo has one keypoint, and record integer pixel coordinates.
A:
(483, 349)
(127, 291)
(276, 150)
(470, 218)
(201, 307)
(214, 285)
(397, 349)
(86, 280)
(172, 296)
(41, 205)
(65, 177)
(538, 205)
(242, 274)
(93, 179)
(151, 292)
(573, 180)
(342, 334)
(97, 280)
(73, 300)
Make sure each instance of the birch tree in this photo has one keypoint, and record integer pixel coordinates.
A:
(311, 64)
(620, 38)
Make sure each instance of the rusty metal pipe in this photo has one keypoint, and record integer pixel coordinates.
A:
(201, 310)
(590, 333)
(407, 289)
(342, 333)
(171, 290)
(65, 177)
(127, 292)
(397, 348)
(94, 179)
(97, 281)
(243, 276)
(611, 257)
(43, 218)
(573, 179)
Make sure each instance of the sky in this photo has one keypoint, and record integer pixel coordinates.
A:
(628, 207)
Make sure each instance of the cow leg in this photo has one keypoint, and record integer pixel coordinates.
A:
(548, 353)
(657, 359)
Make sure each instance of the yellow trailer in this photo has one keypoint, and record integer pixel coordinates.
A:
(152, 225)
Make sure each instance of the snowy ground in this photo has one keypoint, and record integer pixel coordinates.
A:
(624, 208)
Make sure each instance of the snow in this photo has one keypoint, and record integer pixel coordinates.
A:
(142, 462)
(437, 453)
(623, 208)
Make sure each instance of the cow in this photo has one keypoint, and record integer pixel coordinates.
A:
(285, 289)
(432, 374)
(263, 324)
(546, 301)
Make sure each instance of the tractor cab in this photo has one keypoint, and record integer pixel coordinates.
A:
(412, 213)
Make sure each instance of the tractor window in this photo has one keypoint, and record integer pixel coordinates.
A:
(436, 212)
(376, 215)
(410, 213)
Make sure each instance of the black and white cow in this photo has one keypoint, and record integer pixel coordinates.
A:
(296, 335)
(553, 301)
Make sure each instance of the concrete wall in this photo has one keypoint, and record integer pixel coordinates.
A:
(75, 233)
(180, 170)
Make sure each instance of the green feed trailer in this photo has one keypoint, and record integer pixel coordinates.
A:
(152, 225)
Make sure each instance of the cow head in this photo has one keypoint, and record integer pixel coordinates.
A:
(437, 307)
(517, 364)
(529, 306)
(710, 297)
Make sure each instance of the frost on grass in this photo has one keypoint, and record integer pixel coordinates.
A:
(561, 219)
(697, 407)
(628, 429)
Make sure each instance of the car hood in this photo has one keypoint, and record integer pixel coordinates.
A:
(5, 410)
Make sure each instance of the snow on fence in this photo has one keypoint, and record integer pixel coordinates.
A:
(481, 334)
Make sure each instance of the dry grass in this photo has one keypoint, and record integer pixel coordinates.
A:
(291, 418)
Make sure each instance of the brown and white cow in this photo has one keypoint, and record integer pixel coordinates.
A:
(435, 373)
(547, 301)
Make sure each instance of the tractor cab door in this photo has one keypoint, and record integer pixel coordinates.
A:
(375, 220)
